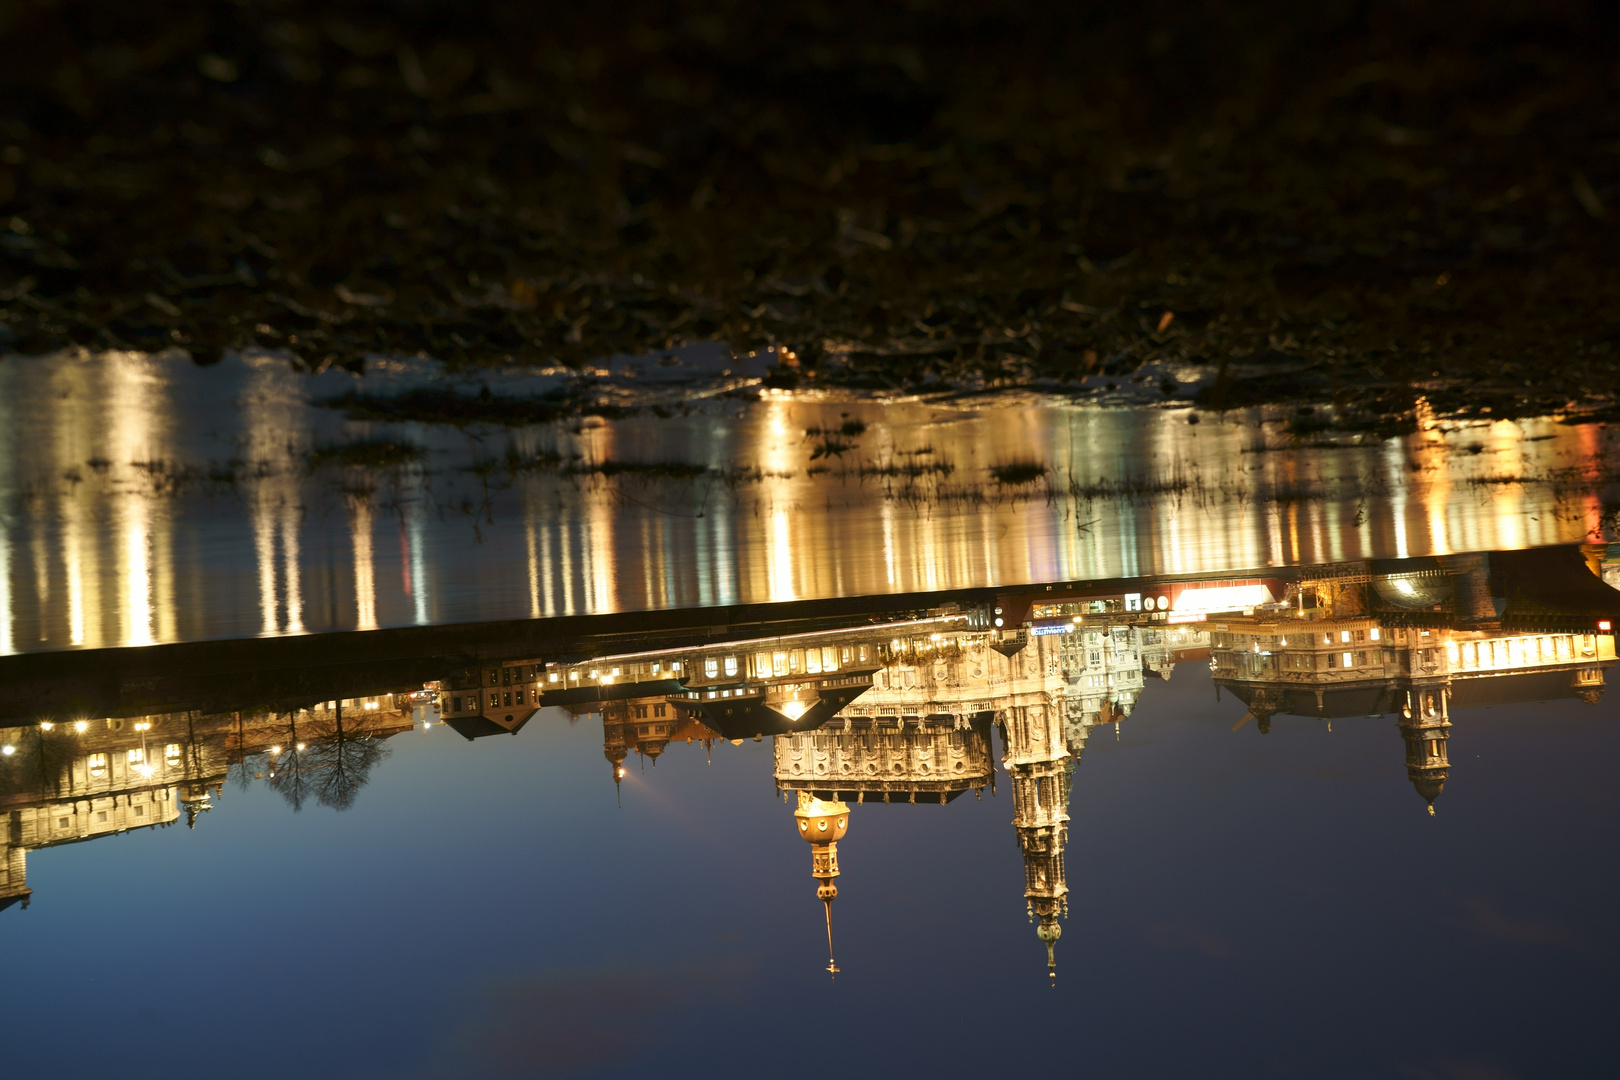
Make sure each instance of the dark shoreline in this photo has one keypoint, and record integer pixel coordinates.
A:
(1359, 204)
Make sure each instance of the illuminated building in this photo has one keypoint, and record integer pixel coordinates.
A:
(63, 786)
(494, 699)
(1420, 641)
(921, 734)
(906, 759)
(643, 725)
(67, 782)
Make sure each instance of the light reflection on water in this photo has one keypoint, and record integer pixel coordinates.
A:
(149, 501)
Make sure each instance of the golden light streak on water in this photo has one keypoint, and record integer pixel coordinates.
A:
(136, 444)
(118, 557)
(535, 610)
(365, 568)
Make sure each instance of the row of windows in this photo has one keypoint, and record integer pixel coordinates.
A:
(634, 672)
(63, 823)
(1329, 637)
(1515, 652)
(498, 699)
(515, 673)
(98, 763)
(100, 817)
(768, 665)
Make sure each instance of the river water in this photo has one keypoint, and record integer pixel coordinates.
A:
(147, 500)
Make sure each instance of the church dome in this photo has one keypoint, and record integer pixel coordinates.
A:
(1428, 783)
(1414, 591)
(822, 822)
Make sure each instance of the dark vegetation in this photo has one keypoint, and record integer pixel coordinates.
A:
(911, 469)
(437, 406)
(1361, 202)
(849, 429)
(371, 453)
(1020, 473)
(652, 470)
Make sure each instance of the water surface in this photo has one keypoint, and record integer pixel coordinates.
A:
(147, 500)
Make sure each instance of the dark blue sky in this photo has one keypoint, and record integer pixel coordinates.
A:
(1241, 905)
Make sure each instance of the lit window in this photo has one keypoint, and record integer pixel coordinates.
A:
(98, 765)
(711, 667)
(812, 661)
(731, 665)
(829, 659)
(1344, 635)
(1373, 633)
(1348, 662)
(552, 677)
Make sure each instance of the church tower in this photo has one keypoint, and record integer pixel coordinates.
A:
(1425, 725)
(823, 824)
(1037, 760)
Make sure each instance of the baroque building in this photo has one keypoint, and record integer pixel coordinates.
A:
(1370, 641)
(921, 733)
(64, 783)
(900, 712)
(71, 782)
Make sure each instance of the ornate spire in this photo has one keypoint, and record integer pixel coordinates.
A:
(1049, 931)
(823, 824)
(1425, 726)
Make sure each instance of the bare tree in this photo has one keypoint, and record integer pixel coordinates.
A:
(291, 774)
(344, 755)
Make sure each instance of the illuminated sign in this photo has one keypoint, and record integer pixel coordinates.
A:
(1055, 628)
(1222, 598)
